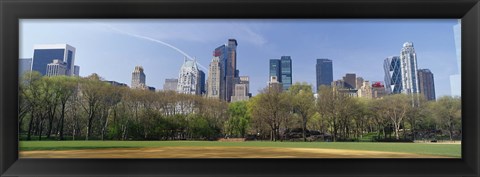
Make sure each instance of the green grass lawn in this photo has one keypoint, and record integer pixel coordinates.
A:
(451, 150)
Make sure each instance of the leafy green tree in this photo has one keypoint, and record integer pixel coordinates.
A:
(417, 114)
(396, 107)
(66, 87)
(303, 103)
(239, 120)
(30, 96)
(447, 111)
(92, 94)
(333, 106)
(269, 107)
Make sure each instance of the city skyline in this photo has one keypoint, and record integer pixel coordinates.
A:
(435, 49)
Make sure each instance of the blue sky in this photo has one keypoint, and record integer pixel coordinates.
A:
(112, 48)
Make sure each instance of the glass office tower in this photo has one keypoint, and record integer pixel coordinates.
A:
(324, 72)
(275, 69)
(286, 70)
(45, 54)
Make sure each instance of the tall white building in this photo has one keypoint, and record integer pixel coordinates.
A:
(188, 78)
(408, 63)
(214, 79)
(138, 78)
(57, 68)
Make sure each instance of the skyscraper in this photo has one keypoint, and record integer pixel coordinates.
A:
(138, 78)
(231, 68)
(188, 78)
(282, 70)
(408, 63)
(24, 65)
(286, 70)
(426, 83)
(393, 76)
(214, 78)
(275, 69)
(228, 68)
(57, 68)
(221, 53)
(324, 72)
(45, 54)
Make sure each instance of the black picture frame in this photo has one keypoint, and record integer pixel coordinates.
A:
(13, 10)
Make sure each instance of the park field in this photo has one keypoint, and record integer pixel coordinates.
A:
(248, 149)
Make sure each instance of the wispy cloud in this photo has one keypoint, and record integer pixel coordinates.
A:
(199, 31)
(153, 40)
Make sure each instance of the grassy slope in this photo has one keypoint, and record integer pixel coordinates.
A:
(452, 150)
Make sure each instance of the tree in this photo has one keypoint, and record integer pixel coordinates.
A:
(361, 115)
(269, 107)
(447, 111)
(417, 114)
(395, 107)
(335, 106)
(92, 95)
(239, 119)
(30, 95)
(302, 101)
(66, 87)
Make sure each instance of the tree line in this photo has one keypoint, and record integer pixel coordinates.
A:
(75, 108)
(347, 118)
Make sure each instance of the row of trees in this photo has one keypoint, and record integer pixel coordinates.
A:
(348, 118)
(87, 108)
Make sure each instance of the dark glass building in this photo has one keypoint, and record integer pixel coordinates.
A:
(282, 70)
(286, 70)
(221, 53)
(228, 68)
(426, 83)
(231, 68)
(324, 68)
(275, 69)
(45, 54)
(201, 80)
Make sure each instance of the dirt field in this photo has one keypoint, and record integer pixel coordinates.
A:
(218, 152)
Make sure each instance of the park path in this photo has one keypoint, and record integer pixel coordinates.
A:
(218, 152)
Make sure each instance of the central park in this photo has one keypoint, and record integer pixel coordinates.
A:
(71, 117)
